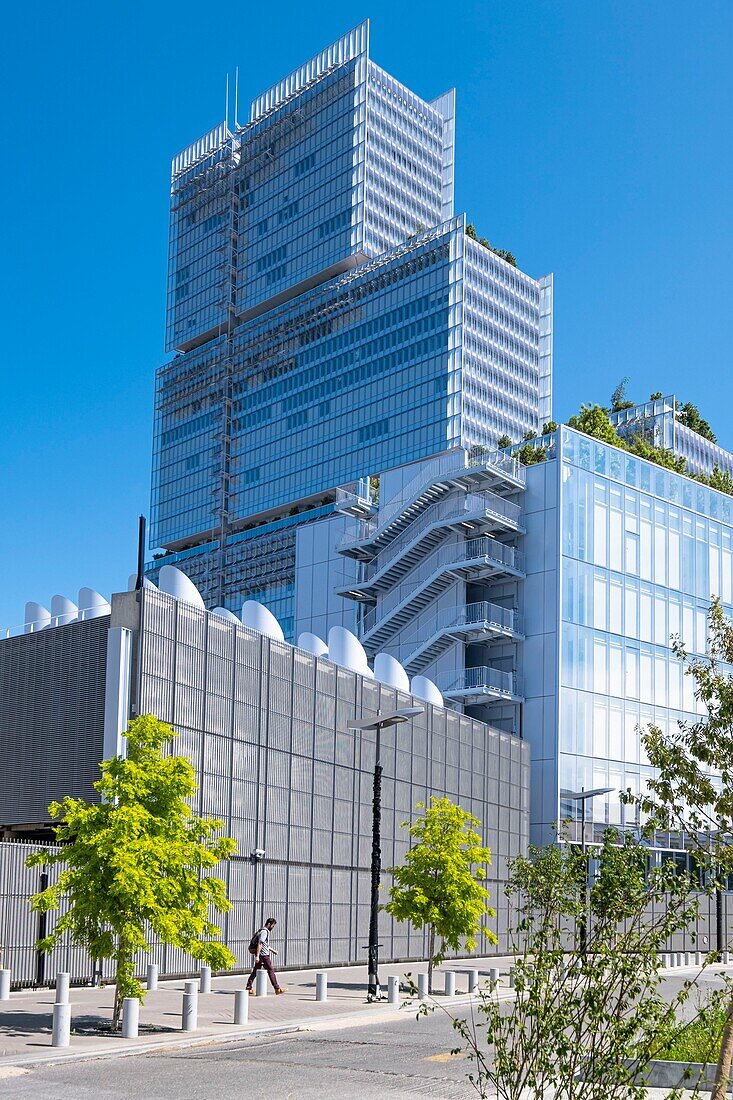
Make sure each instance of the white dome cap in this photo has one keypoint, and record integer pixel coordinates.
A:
(344, 648)
(389, 671)
(178, 585)
(92, 605)
(311, 643)
(225, 613)
(37, 617)
(425, 689)
(257, 617)
(63, 611)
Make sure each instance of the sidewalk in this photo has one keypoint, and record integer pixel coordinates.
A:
(25, 1020)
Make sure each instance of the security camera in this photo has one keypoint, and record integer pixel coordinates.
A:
(257, 854)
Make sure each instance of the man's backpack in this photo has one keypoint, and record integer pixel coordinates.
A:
(254, 943)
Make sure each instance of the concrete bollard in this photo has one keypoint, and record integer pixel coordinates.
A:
(321, 986)
(726, 958)
(189, 1013)
(393, 994)
(511, 977)
(698, 958)
(241, 1006)
(62, 988)
(473, 978)
(261, 983)
(152, 982)
(4, 985)
(688, 958)
(205, 982)
(450, 983)
(61, 1029)
(422, 986)
(494, 975)
(192, 988)
(130, 1017)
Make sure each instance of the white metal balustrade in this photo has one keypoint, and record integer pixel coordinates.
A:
(457, 469)
(473, 622)
(478, 511)
(473, 558)
(480, 685)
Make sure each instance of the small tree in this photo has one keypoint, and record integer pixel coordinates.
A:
(503, 441)
(583, 1020)
(136, 862)
(619, 400)
(439, 885)
(692, 791)
(593, 420)
(549, 427)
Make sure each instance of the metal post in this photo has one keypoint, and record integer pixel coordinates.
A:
(61, 1029)
(152, 982)
(494, 975)
(393, 995)
(261, 983)
(42, 932)
(205, 983)
(450, 983)
(321, 986)
(473, 981)
(241, 1006)
(5, 984)
(719, 934)
(130, 1017)
(422, 986)
(189, 1013)
(374, 992)
(62, 988)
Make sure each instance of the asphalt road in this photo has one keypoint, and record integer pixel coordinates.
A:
(409, 1058)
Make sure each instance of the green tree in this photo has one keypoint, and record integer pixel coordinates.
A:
(689, 415)
(619, 400)
(641, 446)
(656, 396)
(529, 455)
(691, 792)
(593, 420)
(439, 886)
(136, 863)
(471, 231)
(549, 427)
(503, 441)
(582, 1022)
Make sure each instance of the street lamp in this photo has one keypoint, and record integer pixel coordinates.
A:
(378, 723)
(582, 797)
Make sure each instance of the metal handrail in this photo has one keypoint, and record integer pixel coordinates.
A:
(431, 473)
(472, 614)
(481, 677)
(468, 550)
(448, 509)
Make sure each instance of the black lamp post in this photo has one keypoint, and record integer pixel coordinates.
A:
(378, 723)
(582, 797)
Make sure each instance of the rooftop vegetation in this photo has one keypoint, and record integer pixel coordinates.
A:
(501, 252)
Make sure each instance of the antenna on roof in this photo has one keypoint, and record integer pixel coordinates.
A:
(140, 554)
(236, 98)
(226, 104)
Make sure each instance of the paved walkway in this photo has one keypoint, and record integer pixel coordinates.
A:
(25, 1020)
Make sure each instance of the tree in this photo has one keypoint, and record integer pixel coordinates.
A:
(619, 400)
(692, 791)
(593, 420)
(656, 396)
(582, 1022)
(503, 441)
(689, 415)
(549, 427)
(471, 231)
(529, 455)
(439, 885)
(136, 862)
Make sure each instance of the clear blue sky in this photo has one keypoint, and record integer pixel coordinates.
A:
(594, 140)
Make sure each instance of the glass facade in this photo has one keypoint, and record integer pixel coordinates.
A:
(641, 552)
(331, 319)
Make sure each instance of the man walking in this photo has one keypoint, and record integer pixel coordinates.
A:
(260, 948)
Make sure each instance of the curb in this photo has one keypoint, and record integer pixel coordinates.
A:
(222, 1038)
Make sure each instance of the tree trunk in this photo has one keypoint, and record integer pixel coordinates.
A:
(431, 953)
(722, 1071)
(124, 964)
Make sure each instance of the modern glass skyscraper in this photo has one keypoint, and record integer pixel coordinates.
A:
(331, 320)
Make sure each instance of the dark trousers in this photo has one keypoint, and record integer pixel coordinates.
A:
(266, 962)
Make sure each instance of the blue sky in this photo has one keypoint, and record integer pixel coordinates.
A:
(593, 141)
